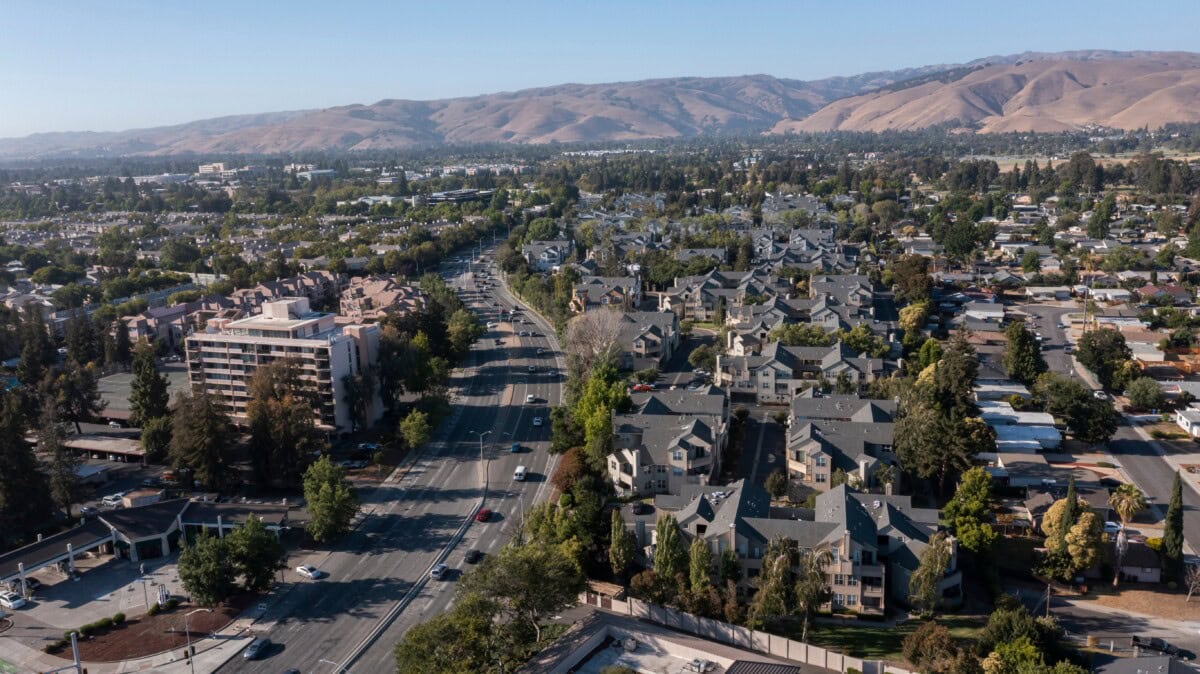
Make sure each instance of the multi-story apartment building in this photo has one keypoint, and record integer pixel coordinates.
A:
(875, 541)
(223, 358)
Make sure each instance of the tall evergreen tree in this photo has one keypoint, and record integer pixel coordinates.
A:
(621, 547)
(148, 394)
(77, 390)
(1070, 513)
(64, 462)
(1022, 357)
(283, 433)
(1172, 542)
(670, 555)
(24, 495)
(200, 436)
(122, 348)
(82, 343)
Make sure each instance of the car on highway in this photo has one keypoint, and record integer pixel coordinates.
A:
(541, 352)
(311, 572)
(483, 515)
(516, 448)
(499, 342)
(537, 421)
(473, 556)
(257, 648)
(11, 600)
(87, 511)
(532, 368)
(491, 324)
(530, 398)
(439, 571)
(523, 333)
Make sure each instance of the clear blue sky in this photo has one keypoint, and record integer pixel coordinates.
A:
(130, 64)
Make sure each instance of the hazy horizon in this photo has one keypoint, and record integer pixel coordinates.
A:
(146, 65)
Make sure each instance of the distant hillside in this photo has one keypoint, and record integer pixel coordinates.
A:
(1126, 91)
(1021, 92)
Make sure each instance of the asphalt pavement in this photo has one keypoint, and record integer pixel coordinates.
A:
(378, 585)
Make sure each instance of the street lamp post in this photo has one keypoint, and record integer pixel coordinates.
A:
(188, 633)
(482, 461)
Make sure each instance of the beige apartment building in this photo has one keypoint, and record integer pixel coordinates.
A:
(223, 358)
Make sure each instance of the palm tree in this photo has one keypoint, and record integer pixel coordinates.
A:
(812, 585)
(1127, 501)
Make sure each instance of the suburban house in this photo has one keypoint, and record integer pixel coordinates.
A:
(841, 432)
(648, 339)
(875, 540)
(701, 298)
(373, 298)
(546, 255)
(594, 292)
(781, 372)
(669, 439)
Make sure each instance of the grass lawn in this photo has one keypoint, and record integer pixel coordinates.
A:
(878, 641)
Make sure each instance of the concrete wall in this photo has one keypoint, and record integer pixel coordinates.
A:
(742, 637)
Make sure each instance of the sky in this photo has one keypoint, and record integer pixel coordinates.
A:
(75, 66)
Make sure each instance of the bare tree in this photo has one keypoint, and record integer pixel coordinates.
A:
(1192, 578)
(592, 339)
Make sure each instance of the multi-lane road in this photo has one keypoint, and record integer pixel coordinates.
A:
(378, 584)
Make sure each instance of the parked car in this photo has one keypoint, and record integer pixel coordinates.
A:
(257, 648)
(1155, 644)
(310, 571)
(1100, 395)
(115, 424)
(642, 388)
(1111, 527)
(368, 446)
(32, 584)
(438, 571)
(11, 600)
(473, 556)
(483, 515)
(87, 511)
(113, 500)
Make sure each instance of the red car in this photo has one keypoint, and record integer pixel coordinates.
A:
(483, 515)
(642, 388)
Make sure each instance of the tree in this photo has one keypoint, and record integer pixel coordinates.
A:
(283, 432)
(593, 340)
(1172, 542)
(800, 334)
(924, 587)
(929, 353)
(331, 501)
(1022, 356)
(415, 428)
(200, 437)
(81, 341)
(911, 275)
(933, 446)
(931, 648)
(156, 438)
(670, 555)
(64, 462)
(256, 554)
(1063, 518)
(122, 353)
(462, 330)
(528, 582)
(206, 570)
(729, 568)
(703, 357)
(700, 562)
(463, 640)
(77, 390)
(24, 494)
(148, 394)
(777, 483)
(1191, 579)
(1031, 261)
(622, 546)
(1127, 501)
(1103, 352)
(914, 317)
(1090, 420)
(969, 511)
(1145, 393)
(812, 586)
(360, 397)
(1083, 541)
(774, 595)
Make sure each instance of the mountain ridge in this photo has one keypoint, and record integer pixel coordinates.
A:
(1030, 91)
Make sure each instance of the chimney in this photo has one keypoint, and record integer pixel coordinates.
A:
(887, 488)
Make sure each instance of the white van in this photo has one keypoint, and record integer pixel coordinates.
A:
(519, 474)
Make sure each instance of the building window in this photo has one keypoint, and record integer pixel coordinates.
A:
(822, 477)
(819, 461)
(851, 600)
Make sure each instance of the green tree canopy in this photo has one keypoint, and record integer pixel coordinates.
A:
(330, 499)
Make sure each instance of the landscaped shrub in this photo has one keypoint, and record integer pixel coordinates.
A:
(172, 603)
(118, 618)
(1106, 464)
(154, 610)
(86, 631)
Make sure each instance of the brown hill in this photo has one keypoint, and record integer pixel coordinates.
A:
(1146, 90)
